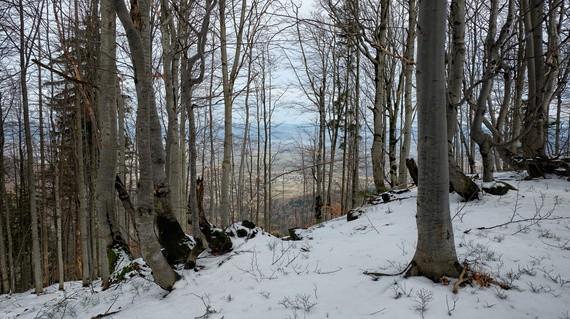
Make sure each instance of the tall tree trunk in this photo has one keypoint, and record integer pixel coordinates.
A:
(83, 213)
(108, 233)
(379, 129)
(188, 83)
(258, 160)
(30, 174)
(4, 274)
(490, 70)
(43, 211)
(212, 205)
(435, 251)
(121, 157)
(192, 194)
(136, 25)
(533, 143)
(228, 80)
(460, 183)
(519, 88)
(170, 59)
(408, 85)
(334, 124)
(58, 226)
(241, 186)
(228, 137)
(558, 124)
(378, 142)
(356, 136)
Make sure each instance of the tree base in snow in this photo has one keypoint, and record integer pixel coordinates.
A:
(218, 241)
(176, 244)
(437, 272)
(539, 166)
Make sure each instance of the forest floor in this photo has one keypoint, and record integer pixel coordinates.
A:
(321, 276)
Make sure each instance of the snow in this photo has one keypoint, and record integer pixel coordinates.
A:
(322, 276)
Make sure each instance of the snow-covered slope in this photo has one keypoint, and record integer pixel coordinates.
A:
(322, 276)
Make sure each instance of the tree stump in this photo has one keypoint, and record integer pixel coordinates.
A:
(353, 214)
(293, 235)
(218, 241)
(412, 169)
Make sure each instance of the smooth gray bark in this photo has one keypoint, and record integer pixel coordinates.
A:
(170, 72)
(490, 70)
(228, 79)
(107, 121)
(133, 22)
(408, 85)
(435, 251)
(81, 192)
(463, 185)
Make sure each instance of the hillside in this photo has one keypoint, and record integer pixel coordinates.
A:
(322, 276)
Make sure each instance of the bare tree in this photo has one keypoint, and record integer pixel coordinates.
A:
(490, 69)
(136, 24)
(25, 51)
(4, 274)
(229, 76)
(408, 86)
(463, 185)
(107, 119)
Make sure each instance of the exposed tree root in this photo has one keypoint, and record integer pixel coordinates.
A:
(376, 275)
(107, 314)
(440, 276)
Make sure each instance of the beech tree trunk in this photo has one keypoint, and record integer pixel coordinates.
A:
(408, 85)
(535, 117)
(81, 192)
(170, 70)
(435, 252)
(135, 23)
(490, 70)
(108, 233)
(460, 183)
(228, 80)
